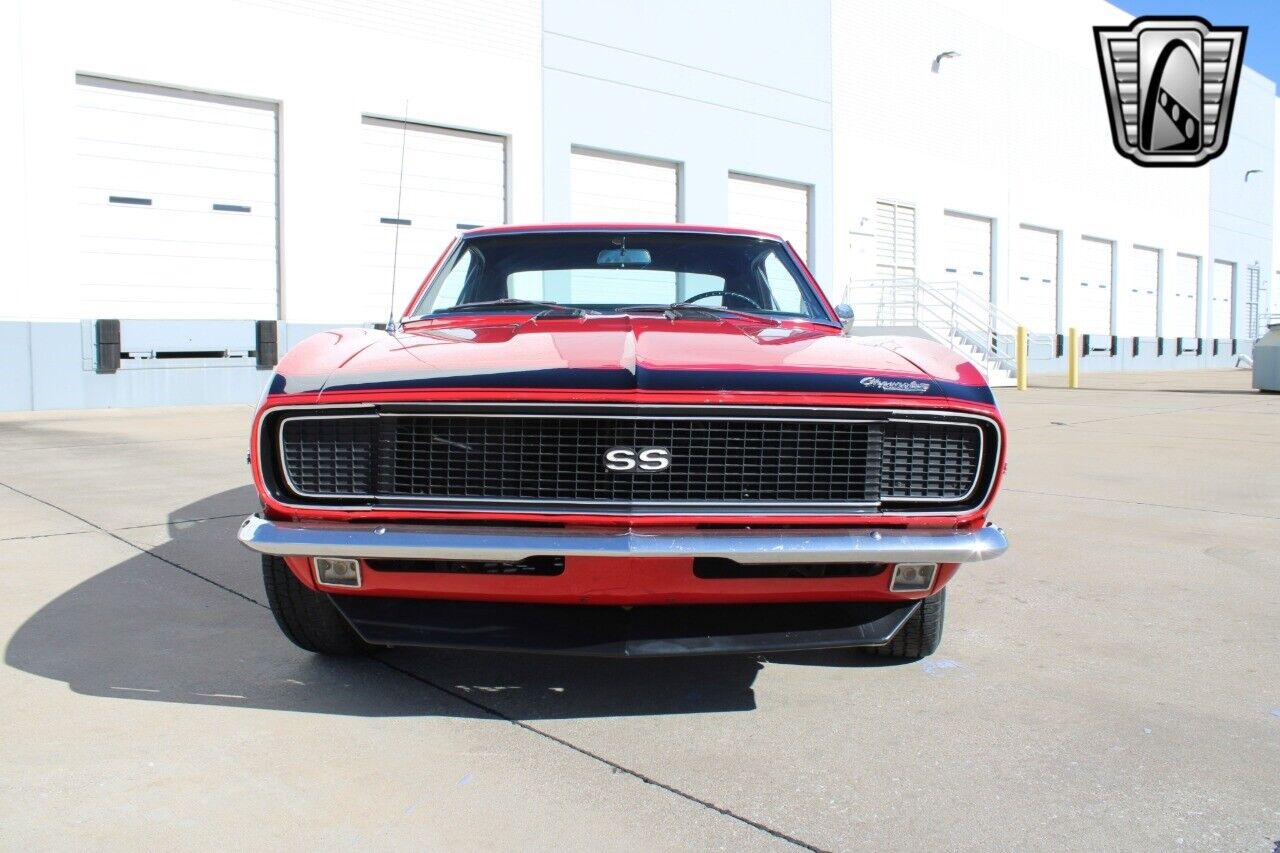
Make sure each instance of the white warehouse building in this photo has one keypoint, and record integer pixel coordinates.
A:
(193, 189)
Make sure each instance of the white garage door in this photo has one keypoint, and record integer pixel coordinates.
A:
(611, 188)
(1087, 302)
(775, 207)
(1180, 297)
(177, 204)
(453, 180)
(1220, 302)
(1137, 298)
(966, 246)
(1033, 293)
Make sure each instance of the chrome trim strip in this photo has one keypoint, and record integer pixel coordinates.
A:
(431, 499)
(512, 544)
(704, 510)
(625, 228)
(546, 404)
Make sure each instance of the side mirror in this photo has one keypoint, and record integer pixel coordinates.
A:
(845, 312)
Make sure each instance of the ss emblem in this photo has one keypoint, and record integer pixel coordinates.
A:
(642, 459)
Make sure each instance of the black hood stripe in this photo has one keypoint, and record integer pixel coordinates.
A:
(613, 379)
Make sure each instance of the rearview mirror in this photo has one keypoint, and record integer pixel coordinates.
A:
(624, 257)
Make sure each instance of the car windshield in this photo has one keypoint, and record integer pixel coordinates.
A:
(608, 272)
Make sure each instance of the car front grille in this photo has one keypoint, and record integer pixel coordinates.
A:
(853, 460)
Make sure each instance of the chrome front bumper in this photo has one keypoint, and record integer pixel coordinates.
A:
(512, 544)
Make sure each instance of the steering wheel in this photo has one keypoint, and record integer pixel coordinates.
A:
(746, 299)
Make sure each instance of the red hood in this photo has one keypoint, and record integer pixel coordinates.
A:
(623, 353)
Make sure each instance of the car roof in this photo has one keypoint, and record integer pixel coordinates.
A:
(632, 227)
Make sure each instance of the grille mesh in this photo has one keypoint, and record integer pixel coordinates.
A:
(556, 458)
(330, 456)
(928, 461)
(562, 459)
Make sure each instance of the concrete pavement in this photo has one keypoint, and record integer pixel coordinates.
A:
(1111, 683)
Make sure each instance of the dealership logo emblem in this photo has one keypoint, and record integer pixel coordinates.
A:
(901, 386)
(1171, 85)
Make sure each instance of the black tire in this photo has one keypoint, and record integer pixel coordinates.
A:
(921, 634)
(307, 618)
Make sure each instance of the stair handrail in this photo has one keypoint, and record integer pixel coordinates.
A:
(985, 314)
(963, 315)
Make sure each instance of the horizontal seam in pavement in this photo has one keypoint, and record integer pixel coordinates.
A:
(612, 765)
(125, 443)
(129, 527)
(133, 545)
(1235, 439)
(183, 521)
(1134, 415)
(44, 535)
(1139, 503)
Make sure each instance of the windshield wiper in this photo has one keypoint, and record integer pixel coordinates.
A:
(518, 303)
(677, 309)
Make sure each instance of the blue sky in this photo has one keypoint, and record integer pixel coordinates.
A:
(1261, 50)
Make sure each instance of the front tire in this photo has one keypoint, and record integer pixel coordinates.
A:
(920, 635)
(306, 617)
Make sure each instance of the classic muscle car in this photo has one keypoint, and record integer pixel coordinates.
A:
(627, 440)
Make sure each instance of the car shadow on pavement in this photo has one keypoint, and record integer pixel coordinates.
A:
(185, 622)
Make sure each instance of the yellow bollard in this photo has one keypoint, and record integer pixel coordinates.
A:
(1022, 358)
(1073, 358)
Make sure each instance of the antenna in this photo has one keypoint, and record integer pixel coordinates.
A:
(395, 252)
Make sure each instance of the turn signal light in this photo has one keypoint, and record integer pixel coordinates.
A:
(913, 577)
(336, 571)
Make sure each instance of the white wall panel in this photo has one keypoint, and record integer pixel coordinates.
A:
(945, 142)
(861, 263)
(1180, 297)
(1087, 299)
(326, 65)
(1033, 289)
(612, 188)
(1221, 299)
(717, 87)
(1139, 282)
(452, 180)
(775, 207)
(191, 233)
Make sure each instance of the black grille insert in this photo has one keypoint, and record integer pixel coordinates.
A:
(532, 567)
(534, 458)
(471, 458)
(718, 568)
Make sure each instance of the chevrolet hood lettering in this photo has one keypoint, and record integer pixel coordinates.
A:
(897, 386)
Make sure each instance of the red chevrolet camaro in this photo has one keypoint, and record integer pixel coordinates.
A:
(629, 440)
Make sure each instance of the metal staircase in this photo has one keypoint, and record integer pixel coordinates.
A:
(945, 312)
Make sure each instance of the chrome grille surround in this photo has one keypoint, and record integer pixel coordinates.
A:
(545, 458)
